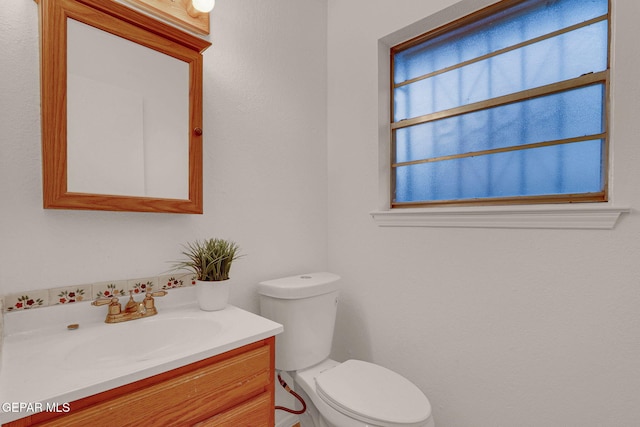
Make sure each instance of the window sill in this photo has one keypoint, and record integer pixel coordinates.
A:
(543, 216)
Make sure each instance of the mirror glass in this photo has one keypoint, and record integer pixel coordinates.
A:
(126, 128)
(121, 110)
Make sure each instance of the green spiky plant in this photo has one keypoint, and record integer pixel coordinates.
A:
(209, 259)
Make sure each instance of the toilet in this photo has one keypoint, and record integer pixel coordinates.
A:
(354, 393)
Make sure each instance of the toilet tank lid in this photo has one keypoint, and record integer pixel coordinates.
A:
(300, 286)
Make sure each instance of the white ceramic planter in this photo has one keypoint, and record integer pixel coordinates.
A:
(213, 296)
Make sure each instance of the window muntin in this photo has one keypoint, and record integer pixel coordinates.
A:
(560, 116)
(530, 81)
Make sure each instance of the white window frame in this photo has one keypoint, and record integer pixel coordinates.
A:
(599, 215)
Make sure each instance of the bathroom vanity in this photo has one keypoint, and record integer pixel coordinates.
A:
(181, 367)
(230, 389)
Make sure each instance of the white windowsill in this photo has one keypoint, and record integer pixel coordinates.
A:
(543, 216)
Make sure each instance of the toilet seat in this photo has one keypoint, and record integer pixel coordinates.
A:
(373, 394)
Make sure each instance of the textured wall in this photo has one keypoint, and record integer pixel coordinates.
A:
(499, 327)
(265, 182)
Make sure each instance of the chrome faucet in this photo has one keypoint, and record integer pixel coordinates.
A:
(132, 310)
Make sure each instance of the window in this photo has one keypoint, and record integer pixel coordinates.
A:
(508, 105)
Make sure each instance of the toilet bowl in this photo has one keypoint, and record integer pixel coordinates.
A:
(361, 394)
(353, 393)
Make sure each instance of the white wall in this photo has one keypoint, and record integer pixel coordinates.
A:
(265, 183)
(499, 327)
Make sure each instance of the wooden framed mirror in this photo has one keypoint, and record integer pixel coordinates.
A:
(121, 110)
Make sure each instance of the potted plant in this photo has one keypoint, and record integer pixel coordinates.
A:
(210, 260)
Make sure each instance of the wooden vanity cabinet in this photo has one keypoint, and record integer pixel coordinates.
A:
(235, 388)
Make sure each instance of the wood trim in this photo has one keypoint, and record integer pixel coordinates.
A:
(519, 200)
(53, 71)
(503, 150)
(176, 11)
(584, 80)
(271, 342)
(458, 23)
(392, 135)
(139, 28)
(138, 19)
(505, 50)
(607, 115)
(252, 413)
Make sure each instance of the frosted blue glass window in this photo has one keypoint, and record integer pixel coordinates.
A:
(508, 106)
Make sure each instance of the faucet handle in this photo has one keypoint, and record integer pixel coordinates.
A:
(104, 301)
(114, 305)
(149, 303)
(156, 294)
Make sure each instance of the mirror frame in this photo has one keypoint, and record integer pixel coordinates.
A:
(124, 22)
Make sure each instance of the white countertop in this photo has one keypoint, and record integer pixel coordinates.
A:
(40, 365)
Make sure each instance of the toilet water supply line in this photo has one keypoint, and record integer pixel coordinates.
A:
(296, 395)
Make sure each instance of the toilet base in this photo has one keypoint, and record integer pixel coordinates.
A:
(311, 417)
(286, 420)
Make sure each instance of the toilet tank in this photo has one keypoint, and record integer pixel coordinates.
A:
(306, 306)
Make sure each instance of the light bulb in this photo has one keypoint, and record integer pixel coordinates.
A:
(204, 6)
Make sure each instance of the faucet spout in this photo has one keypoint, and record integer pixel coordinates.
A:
(131, 306)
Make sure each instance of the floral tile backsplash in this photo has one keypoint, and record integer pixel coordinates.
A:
(172, 282)
(69, 294)
(88, 292)
(26, 300)
(110, 289)
(140, 286)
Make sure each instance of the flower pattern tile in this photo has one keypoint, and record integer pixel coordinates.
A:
(141, 286)
(27, 300)
(173, 281)
(110, 289)
(69, 294)
(80, 293)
